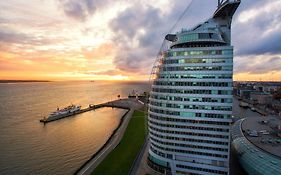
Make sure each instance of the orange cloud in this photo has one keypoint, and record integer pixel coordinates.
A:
(42, 43)
(270, 76)
(105, 50)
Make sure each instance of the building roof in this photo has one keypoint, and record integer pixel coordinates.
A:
(254, 157)
(215, 30)
(254, 123)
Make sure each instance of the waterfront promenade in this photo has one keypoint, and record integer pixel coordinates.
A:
(132, 105)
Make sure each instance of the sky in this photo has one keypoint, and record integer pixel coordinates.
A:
(119, 40)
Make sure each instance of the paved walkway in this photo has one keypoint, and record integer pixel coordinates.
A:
(132, 104)
(136, 165)
(143, 168)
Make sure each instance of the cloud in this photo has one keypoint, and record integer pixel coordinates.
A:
(3, 20)
(257, 29)
(134, 36)
(75, 10)
(81, 9)
(138, 33)
(140, 29)
(127, 35)
(269, 44)
(110, 72)
(103, 51)
(133, 61)
(13, 37)
(260, 64)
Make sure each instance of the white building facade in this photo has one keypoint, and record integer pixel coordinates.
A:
(190, 104)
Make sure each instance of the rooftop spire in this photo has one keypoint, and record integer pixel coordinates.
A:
(220, 2)
(226, 8)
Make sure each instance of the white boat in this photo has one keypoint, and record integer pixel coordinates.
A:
(61, 113)
(66, 110)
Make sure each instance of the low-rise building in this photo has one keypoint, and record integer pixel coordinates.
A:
(262, 98)
(267, 86)
(245, 93)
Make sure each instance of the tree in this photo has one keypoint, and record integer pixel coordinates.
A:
(277, 94)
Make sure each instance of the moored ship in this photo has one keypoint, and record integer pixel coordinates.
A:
(61, 113)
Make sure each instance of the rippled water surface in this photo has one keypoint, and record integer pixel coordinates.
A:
(30, 147)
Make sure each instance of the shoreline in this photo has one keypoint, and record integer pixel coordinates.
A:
(24, 81)
(106, 143)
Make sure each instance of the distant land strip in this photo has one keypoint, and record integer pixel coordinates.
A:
(23, 81)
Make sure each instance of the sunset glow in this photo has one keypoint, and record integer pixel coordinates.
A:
(118, 40)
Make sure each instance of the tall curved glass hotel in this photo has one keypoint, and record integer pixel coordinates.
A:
(190, 104)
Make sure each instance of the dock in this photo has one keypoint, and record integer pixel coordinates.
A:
(114, 104)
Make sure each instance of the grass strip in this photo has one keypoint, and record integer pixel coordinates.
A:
(119, 161)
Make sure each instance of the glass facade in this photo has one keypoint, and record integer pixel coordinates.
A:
(198, 36)
(253, 160)
(173, 53)
(190, 103)
(187, 94)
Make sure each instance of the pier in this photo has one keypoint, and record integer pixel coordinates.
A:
(131, 104)
(122, 103)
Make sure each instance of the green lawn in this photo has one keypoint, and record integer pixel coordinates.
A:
(119, 161)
